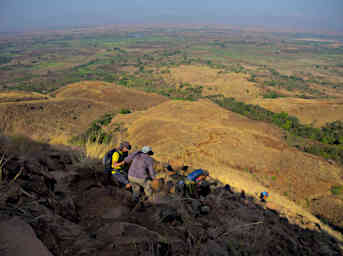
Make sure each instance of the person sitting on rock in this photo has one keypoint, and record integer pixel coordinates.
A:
(115, 164)
(141, 171)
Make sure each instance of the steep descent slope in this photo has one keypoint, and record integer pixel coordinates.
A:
(74, 212)
(248, 154)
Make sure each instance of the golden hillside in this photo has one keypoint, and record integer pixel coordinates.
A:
(16, 96)
(233, 148)
(236, 85)
(215, 81)
(70, 110)
(308, 111)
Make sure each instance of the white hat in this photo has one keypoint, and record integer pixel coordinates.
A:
(146, 149)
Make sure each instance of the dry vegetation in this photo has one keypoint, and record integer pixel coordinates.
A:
(71, 110)
(204, 135)
(308, 111)
(16, 96)
(215, 81)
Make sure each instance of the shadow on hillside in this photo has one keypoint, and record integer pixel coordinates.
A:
(73, 210)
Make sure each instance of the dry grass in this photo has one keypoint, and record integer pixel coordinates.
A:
(246, 154)
(61, 139)
(15, 96)
(71, 111)
(95, 150)
(282, 204)
(91, 149)
(317, 112)
(205, 133)
(312, 111)
(214, 82)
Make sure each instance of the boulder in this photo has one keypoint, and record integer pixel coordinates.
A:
(116, 213)
(17, 238)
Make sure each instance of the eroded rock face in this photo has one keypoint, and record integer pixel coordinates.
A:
(212, 248)
(124, 233)
(17, 238)
(116, 213)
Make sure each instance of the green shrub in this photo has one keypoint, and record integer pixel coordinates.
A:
(290, 83)
(125, 111)
(105, 119)
(252, 78)
(95, 133)
(272, 95)
(337, 190)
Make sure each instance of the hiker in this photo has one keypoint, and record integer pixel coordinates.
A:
(263, 196)
(115, 165)
(194, 184)
(141, 171)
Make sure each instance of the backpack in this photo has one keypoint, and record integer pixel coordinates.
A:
(107, 160)
(195, 174)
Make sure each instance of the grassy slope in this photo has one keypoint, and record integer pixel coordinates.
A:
(71, 110)
(249, 154)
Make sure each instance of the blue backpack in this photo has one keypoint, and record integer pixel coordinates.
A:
(195, 174)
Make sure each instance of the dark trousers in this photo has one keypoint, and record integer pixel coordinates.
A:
(121, 178)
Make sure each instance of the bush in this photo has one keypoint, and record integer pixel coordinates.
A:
(252, 78)
(290, 83)
(105, 119)
(95, 133)
(337, 190)
(272, 95)
(125, 111)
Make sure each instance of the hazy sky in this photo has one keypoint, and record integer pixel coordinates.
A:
(310, 14)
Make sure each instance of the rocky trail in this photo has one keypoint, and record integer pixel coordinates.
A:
(53, 201)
